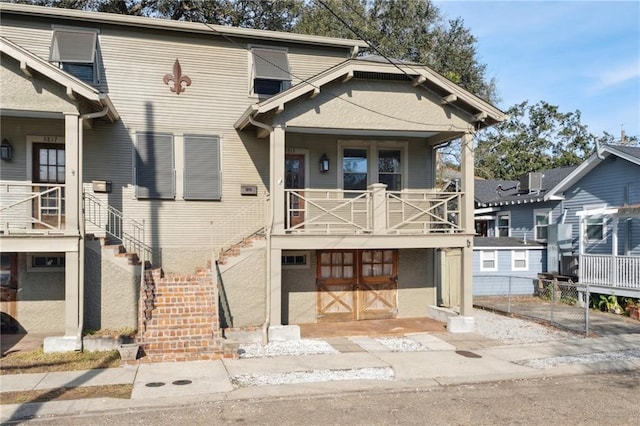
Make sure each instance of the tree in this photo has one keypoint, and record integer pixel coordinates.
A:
(536, 137)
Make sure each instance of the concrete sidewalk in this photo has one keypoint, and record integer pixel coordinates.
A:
(444, 359)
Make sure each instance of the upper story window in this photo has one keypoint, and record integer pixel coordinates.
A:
(541, 220)
(503, 224)
(595, 229)
(270, 72)
(75, 52)
(364, 163)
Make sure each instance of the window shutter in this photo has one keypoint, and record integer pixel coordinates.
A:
(73, 46)
(154, 166)
(270, 64)
(202, 175)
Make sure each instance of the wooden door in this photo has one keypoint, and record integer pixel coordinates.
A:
(357, 285)
(336, 285)
(378, 284)
(49, 167)
(294, 179)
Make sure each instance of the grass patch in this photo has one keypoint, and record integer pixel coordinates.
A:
(39, 362)
(62, 394)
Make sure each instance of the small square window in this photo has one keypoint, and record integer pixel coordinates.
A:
(47, 262)
(295, 260)
(75, 52)
(270, 71)
(488, 260)
(519, 260)
(595, 229)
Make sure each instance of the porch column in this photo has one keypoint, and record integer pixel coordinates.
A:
(71, 176)
(466, 221)
(379, 211)
(614, 235)
(275, 277)
(71, 295)
(277, 179)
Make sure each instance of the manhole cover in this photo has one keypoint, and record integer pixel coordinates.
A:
(154, 384)
(181, 382)
(468, 354)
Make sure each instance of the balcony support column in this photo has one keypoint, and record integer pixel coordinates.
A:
(379, 207)
(466, 221)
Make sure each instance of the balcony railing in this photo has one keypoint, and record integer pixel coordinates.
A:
(31, 207)
(610, 271)
(313, 211)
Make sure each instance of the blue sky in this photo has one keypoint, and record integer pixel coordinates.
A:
(579, 55)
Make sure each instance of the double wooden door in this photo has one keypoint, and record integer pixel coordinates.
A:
(357, 284)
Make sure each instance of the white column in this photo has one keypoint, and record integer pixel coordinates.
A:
(277, 142)
(72, 170)
(614, 235)
(467, 169)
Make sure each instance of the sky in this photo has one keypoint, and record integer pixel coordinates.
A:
(579, 55)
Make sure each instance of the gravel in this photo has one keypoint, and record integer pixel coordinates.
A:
(290, 347)
(515, 331)
(313, 376)
(401, 344)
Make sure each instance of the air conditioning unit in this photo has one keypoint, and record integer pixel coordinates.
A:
(531, 183)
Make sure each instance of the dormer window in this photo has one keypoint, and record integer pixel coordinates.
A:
(75, 52)
(270, 71)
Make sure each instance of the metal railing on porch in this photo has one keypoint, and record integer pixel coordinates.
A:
(31, 207)
(610, 271)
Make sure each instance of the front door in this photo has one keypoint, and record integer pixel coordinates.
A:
(356, 284)
(294, 179)
(49, 168)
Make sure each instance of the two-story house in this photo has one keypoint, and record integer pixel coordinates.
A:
(180, 140)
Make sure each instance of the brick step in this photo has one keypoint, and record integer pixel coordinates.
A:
(188, 324)
(183, 357)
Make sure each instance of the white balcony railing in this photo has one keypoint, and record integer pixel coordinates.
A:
(610, 271)
(423, 212)
(31, 207)
(333, 211)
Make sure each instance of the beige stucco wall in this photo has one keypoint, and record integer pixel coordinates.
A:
(416, 287)
(40, 306)
(244, 284)
(416, 284)
(299, 292)
(404, 107)
(111, 290)
(21, 92)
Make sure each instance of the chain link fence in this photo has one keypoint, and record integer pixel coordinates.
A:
(563, 304)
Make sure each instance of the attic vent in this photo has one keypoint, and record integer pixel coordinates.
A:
(531, 183)
(380, 76)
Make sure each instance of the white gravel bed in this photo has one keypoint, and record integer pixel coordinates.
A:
(514, 330)
(290, 347)
(544, 363)
(401, 344)
(313, 376)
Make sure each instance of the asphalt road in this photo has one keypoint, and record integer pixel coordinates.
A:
(590, 399)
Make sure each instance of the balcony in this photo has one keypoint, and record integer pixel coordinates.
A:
(373, 211)
(611, 274)
(34, 209)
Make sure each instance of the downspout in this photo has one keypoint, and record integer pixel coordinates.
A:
(81, 220)
(267, 314)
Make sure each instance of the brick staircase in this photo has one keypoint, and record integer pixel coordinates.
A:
(235, 249)
(178, 318)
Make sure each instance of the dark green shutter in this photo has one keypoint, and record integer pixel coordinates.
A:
(202, 177)
(154, 166)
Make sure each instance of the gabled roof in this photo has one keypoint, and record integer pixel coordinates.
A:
(73, 86)
(629, 153)
(183, 26)
(505, 192)
(478, 109)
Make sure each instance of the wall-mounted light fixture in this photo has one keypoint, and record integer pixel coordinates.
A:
(6, 150)
(324, 163)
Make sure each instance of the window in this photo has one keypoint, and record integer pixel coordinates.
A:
(154, 166)
(354, 169)
(202, 176)
(75, 52)
(595, 229)
(503, 224)
(389, 171)
(295, 260)
(368, 162)
(270, 71)
(46, 262)
(541, 220)
(519, 260)
(488, 260)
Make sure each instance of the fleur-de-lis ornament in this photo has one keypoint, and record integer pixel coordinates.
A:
(177, 78)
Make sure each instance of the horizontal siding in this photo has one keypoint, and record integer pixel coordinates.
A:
(503, 280)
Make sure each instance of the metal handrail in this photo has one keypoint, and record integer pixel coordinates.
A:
(245, 222)
(129, 232)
